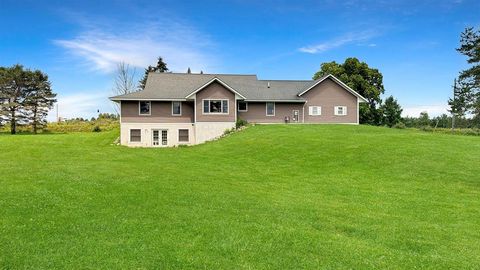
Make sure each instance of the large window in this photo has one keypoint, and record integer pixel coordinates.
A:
(183, 135)
(314, 110)
(135, 135)
(242, 106)
(270, 108)
(340, 110)
(215, 106)
(176, 108)
(144, 107)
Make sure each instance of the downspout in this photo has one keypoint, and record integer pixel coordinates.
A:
(303, 112)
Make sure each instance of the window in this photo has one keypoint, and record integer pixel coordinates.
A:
(135, 135)
(183, 135)
(215, 106)
(144, 107)
(340, 110)
(242, 106)
(176, 108)
(270, 108)
(164, 137)
(314, 110)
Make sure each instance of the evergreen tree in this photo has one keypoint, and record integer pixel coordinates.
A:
(470, 47)
(461, 100)
(39, 100)
(14, 82)
(189, 71)
(160, 67)
(392, 112)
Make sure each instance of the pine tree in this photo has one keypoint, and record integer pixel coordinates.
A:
(392, 112)
(13, 88)
(461, 100)
(470, 47)
(160, 67)
(39, 100)
(189, 71)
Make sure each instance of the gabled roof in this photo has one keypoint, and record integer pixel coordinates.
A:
(181, 86)
(215, 79)
(346, 87)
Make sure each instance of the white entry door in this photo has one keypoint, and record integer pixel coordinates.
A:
(159, 137)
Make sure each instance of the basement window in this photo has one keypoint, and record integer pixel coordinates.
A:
(183, 135)
(135, 135)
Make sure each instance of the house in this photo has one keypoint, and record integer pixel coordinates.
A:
(180, 108)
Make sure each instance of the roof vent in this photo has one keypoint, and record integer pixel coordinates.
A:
(268, 84)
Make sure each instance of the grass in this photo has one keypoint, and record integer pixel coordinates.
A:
(269, 197)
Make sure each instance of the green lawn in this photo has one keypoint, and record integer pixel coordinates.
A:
(269, 197)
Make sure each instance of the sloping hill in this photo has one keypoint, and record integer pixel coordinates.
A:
(277, 196)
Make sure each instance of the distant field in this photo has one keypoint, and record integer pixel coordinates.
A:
(269, 197)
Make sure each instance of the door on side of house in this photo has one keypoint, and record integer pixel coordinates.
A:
(159, 137)
(295, 116)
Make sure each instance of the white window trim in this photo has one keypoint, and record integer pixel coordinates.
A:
(266, 109)
(140, 108)
(246, 104)
(180, 114)
(130, 135)
(319, 110)
(344, 110)
(216, 99)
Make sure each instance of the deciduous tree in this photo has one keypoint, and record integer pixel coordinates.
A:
(367, 81)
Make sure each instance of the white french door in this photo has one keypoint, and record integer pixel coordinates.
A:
(159, 137)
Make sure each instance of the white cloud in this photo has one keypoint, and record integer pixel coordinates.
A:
(345, 39)
(432, 110)
(102, 48)
(83, 104)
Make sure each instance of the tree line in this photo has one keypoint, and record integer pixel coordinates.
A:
(26, 97)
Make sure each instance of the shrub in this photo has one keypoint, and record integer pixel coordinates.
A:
(426, 128)
(240, 123)
(96, 129)
(228, 131)
(399, 125)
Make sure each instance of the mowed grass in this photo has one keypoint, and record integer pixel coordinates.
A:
(269, 197)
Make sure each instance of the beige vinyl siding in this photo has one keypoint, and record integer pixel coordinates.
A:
(257, 112)
(327, 95)
(160, 112)
(215, 91)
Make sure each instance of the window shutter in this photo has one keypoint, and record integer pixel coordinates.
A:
(205, 106)
(345, 110)
(310, 110)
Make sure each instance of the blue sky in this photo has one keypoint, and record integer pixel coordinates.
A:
(78, 43)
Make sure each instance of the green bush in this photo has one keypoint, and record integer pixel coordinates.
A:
(96, 129)
(426, 128)
(240, 123)
(400, 125)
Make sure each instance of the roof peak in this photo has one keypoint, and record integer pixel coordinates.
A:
(204, 74)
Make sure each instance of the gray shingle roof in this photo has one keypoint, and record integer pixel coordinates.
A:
(179, 85)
